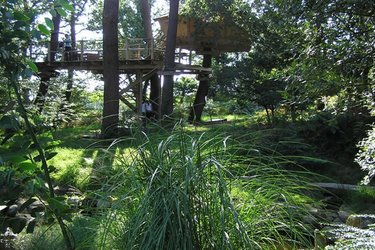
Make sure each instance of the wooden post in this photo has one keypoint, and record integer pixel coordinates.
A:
(126, 50)
(81, 50)
(160, 97)
(138, 92)
(49, 53)
(179, 55)
(152, 48)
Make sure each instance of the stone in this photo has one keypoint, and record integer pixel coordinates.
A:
(353, 221)
(74, 202)
(36, 206)
(343, 215)
(12, 210)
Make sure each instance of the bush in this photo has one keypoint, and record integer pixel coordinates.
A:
(366, 156)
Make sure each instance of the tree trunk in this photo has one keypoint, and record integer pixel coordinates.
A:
(110, 68)
(155, 95)
(53, 45)
(42, 92)
(54, 42)
(169, 64)
(69, 86)
(146, 17)
(155, 83)
(200, 97)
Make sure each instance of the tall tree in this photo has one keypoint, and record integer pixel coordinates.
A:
(53, 46)
(202, 92)
(169, 57)
(110, 68)
(78, 8)
(155, 82)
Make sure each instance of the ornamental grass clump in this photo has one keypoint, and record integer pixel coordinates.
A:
(193, 201)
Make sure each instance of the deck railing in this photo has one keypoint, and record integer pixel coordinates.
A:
(92, 50)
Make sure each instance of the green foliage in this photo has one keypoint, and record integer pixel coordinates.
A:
(184, 188)
(16, 33)
(184, 89)
(366, 156)
(130, 20)
(193, 199)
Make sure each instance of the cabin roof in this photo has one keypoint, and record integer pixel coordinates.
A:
(208, 37)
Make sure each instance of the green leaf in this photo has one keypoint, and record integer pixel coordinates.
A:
(20, 16)
(27, 166)
(21, 34)
(67, 6)
(17, 159)
(53, 12)
(62, 12)
(9, 122)
(32, 66)
(43, 29)
(57, 204)
(49, 23)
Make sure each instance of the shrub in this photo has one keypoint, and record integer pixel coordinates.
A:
(366, 156)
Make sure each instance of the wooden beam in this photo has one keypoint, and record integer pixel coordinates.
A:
(138, 80)
(124, 67)
(127, 103)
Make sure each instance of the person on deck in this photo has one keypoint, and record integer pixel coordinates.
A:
(67, 47)
(148, 109)
(146, 113)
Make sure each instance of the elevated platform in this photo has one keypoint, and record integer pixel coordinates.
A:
(135, 55)
(125, 67)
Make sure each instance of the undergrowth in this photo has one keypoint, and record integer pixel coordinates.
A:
(189, 191)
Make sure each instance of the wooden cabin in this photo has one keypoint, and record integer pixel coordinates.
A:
(208, 37)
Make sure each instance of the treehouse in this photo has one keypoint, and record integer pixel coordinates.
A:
(208, 37)
(142, 58)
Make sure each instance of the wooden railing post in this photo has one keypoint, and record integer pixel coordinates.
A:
(152, 48)
(126, 50)
(49, 53)
(81, 50)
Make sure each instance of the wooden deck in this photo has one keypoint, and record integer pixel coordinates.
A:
(125, 67)
(134, 55)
